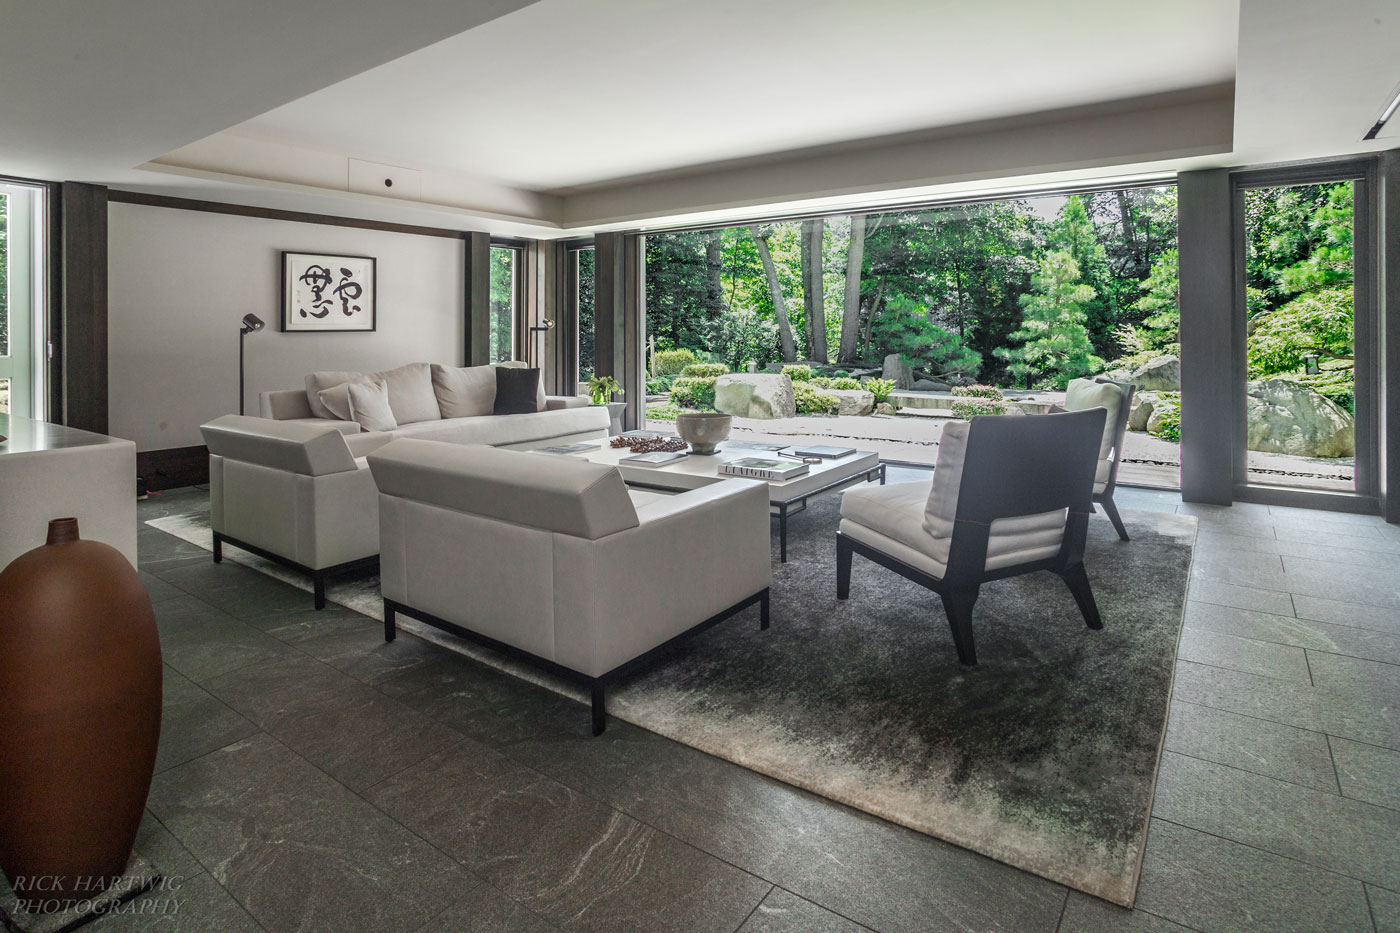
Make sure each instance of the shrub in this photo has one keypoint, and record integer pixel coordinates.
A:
(1169, 423)
(880, 388)
(704, 370)
(811, 402)
(977, 391)
(904, 327)
(834, 382)
(1339, 385)
(799, 372)
(658, 385)
(694, 391)
(663, 411)
(672, 362)
(982, 405)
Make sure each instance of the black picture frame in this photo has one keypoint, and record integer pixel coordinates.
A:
(323, 303)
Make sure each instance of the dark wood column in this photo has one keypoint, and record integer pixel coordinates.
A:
(1208, 340)
(476, 339)
(555, 348)
(1388, 308)
(617, 317)
(80, 344)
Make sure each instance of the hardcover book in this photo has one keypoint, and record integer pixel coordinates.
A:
(775, 468)
(655, 458)
(826, 453)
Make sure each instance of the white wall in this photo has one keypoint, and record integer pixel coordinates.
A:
(180, 281)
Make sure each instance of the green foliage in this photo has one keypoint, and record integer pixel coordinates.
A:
(1054, 342)
(798, 372)
(705, 370)
(694, 392)
(977, 391)
(1337, 383)
(834, 382)
(503, 264)
(673, 362)
(811, 402)
(907, 329)
(1169, 425)
(659, 385)
(663, 411)
(601, 389)
(741, 335)
(1319, 323)
(981, 406)
(880, 388)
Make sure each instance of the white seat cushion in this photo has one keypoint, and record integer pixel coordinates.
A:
(500, 430)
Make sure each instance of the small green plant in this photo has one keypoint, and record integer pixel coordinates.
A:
(705, 370)
(979, 405)
(1167, 416)
(811, 402)
(844, 382)
(659, 385)
(694, 392)
(880, 388)
(663, 411)
(672, 362)
(820, 382)
(602, 388)
(977, 391)
(798, 372)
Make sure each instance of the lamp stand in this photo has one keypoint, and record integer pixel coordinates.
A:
(241, 335)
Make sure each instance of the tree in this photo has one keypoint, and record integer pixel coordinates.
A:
(775, 288)
(906, 329)
(714, 266)
(1159, 317)
(850, 307)
(1054, 341)
(813, 291)
(1318, 324)
(740, 336)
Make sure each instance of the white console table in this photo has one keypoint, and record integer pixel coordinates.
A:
(50, 471)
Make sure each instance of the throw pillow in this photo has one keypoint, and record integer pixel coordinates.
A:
(516, 391)
(369, 405)
(521, 364)
(315, 382)
(337, 399)
(464, 392)
(411, 393)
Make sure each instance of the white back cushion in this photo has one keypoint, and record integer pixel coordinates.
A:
(1085, 393)
(941, 509)
(465, 391)
(410, 391)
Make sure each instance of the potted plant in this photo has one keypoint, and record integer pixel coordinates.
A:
(601, 389)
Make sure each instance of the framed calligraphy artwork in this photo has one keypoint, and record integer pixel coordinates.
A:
(327, 294)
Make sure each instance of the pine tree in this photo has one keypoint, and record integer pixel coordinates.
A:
(1054, 341)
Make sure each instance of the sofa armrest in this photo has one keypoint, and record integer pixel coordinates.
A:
(553, 402)
(285, 404)
(362, 445)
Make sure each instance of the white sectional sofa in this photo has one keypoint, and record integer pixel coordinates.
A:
(292, 486)
(557, 559)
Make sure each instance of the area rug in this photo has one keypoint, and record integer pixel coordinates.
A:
(1044, 756)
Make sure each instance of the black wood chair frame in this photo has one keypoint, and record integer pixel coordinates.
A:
(1013, 466)
(1105, 498)
(318, 577)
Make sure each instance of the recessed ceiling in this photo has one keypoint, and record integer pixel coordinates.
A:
(579, 94)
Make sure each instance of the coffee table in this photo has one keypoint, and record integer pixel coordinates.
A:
(787, 497)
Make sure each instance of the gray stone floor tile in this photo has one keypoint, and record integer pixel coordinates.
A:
(1249, 511)
(1240, 597)
(240, 591)
(1368, 772)
(1209, 543)
(785, 912)
(1285, 515)
(1324, 830)
(194, 723)
(1291, 704)
(1339, 612)
(1385, 909)
(884, 876)
(1230, 523)
(361, 651)
(201, 641)
(569, 857)
(1355, 675)
(1367, 586)
(1240, 567)
(1270, 748)
(1301, 633)
(189, 904)
(157, 551)
(299, 851)
(1370, 538)
(1085, 914)
(1267, 659)
(1208, 883)
(299, 625)
(487, 910)
(158, 845)
(351, 731)
(157, 589)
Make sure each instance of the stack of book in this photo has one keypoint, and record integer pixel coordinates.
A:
(769, 468)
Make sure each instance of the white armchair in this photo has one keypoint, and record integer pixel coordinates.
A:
(554, 559)
(1008, 496)
(297, 494)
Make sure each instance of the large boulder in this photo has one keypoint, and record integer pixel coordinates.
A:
(1159, 374)
(755, 395)
(898, 370)
(929, 385)
(1157, 418)
(1144, 403)
(851, 401)
(885, 408)
(1287, 417)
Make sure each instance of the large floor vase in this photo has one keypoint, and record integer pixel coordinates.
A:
(80, 704)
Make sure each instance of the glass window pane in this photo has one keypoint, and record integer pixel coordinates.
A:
(505, 262)
(583, 271)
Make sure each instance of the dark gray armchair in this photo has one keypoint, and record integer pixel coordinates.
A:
(1117, 399)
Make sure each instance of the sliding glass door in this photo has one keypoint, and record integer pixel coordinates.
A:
(22, 278)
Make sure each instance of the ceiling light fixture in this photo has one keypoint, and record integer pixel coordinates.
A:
(1389, 112)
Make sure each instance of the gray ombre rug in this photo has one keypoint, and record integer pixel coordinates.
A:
(1044, 756)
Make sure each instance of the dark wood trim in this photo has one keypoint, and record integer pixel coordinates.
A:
(272, 213)
(476, 314)
(1388, 321)
(619, 310)
(53, 404)
(173, 467)
(84, 304)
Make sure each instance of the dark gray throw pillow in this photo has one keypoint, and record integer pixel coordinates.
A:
(517, 390)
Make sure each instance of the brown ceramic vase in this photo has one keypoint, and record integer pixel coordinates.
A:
(80, 701)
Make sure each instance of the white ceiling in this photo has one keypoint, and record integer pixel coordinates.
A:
(579, 94)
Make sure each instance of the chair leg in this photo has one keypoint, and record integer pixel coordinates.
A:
(599, 717)
(1077, 579)
(958, 605)
(843, 567)
(218, 549)
(391, 629)
(763, 617)
(1111, 509)
(318, 590)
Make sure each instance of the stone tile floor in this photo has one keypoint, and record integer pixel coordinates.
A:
(313, 778)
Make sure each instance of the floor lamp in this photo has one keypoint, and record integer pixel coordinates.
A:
(251, 325)
(537, 341)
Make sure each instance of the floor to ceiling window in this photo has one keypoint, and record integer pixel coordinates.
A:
(581, 293)
(22, 280)
(1004, 301)
(505, 299)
